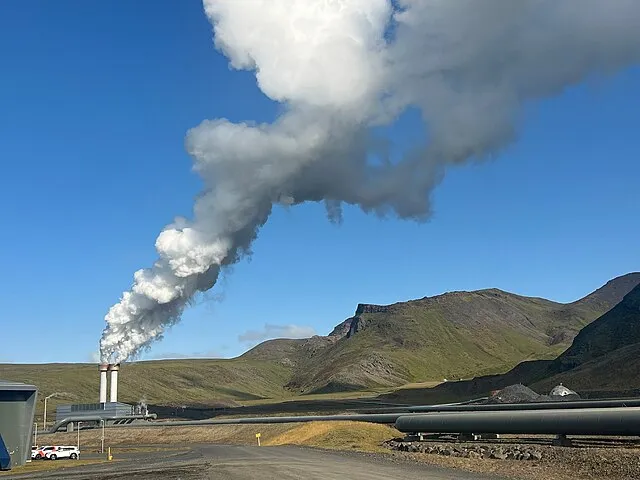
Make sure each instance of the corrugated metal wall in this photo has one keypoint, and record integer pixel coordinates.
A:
(109, 409)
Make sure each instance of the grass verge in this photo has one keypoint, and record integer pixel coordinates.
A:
(331, 435)
(120, 438)
(366, 437)
(48, 465)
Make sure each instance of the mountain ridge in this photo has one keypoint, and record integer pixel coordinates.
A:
(602, 360)
(362, 351)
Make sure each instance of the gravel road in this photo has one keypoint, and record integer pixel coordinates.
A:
(217, 462)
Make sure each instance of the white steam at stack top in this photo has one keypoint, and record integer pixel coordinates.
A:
(341, 67)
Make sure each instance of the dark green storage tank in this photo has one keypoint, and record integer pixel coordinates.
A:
(17, 409)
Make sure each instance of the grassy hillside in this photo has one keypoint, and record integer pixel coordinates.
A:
(165, 382)
(604, 355)
(603, 360)
(610, 375)
(455, 335)
(617, 328)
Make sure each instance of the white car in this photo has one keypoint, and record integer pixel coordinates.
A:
(42, 452)
(64, 451)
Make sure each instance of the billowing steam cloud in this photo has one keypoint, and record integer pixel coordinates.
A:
(341, 68)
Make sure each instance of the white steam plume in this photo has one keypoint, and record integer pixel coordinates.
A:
(341, 67)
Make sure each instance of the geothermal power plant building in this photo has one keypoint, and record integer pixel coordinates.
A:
(17, 409)
(107, 409)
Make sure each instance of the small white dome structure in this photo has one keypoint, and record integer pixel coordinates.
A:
(561, 391)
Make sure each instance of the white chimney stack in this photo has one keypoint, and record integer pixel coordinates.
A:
(114, 382)
(103, 382)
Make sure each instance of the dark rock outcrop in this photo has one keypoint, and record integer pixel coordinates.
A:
(478, 452)
(368, 308)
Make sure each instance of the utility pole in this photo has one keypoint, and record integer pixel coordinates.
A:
(55, 394)
(102, 439)
(44, 422)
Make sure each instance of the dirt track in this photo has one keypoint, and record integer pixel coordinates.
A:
(217, 462)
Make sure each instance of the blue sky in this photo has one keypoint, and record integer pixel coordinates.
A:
(95, 101)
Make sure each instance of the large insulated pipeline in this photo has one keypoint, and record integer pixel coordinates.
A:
(622, 421)
(557, 405)
(96, 418)
(387, 418)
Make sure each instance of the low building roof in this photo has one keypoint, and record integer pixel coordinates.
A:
(11, 385)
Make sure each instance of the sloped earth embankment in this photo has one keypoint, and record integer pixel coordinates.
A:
(535, 459)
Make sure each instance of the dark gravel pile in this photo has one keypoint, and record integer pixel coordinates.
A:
(517, 394)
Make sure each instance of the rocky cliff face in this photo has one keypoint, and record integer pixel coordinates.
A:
(356, 323)
(368, 308)
(341, 330)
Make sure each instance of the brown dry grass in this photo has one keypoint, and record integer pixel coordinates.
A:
(332, 435)
(179, 436)
(359, 436)
(419, 385)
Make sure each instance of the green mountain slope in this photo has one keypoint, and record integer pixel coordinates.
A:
(454, 335)
(604, 355)
(617, 328)
(164, 382)
(603, 360)
(616, 373)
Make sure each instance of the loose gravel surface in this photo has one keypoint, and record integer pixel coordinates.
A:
(218, 462)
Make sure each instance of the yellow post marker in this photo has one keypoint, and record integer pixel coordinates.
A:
(109, 456)
(258, 438)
